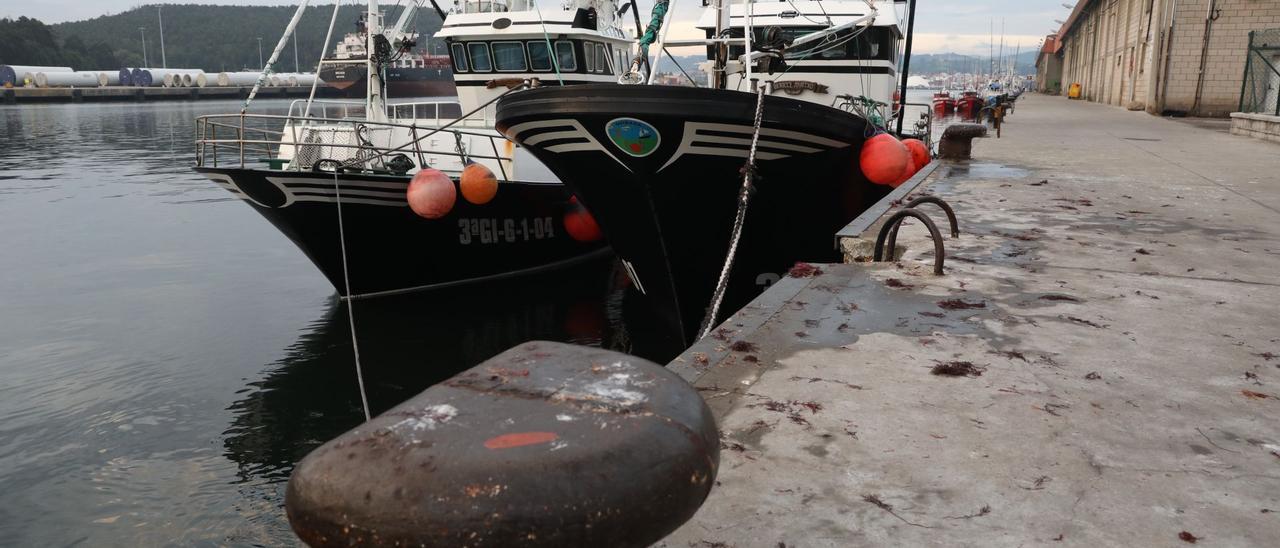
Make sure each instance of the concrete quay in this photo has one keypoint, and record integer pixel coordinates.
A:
(126, 93)
(1109, 323)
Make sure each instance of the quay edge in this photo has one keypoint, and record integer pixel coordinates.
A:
(1113, 302)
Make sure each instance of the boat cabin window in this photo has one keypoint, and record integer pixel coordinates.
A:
(480, 61)
(459, 58)
(604, 54)
(564, 55)
(509, 57)
(596, 57)
(539, 56)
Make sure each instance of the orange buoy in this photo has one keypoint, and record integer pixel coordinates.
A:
(883, 159)
(478, 184)
(919, 152)
(906, 175)
(579, 223)
(431, 194)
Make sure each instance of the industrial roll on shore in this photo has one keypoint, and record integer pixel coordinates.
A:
(26, 83)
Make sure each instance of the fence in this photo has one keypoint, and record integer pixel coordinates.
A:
(1260, 92)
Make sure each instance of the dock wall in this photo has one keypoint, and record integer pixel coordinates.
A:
(1258, 126)
(1147, 54)
(99, 94)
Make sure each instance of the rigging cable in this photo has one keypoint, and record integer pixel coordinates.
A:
(677, 63)
(744, 198)
(551, 52)
(346, 280)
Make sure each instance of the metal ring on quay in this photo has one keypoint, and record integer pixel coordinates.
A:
(891, 225)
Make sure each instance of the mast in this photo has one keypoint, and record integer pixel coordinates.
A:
(906, 62)
(1002, 59)
(718, 78)
(374, 109)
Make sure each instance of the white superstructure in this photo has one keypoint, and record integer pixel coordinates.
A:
(497, 43)
(857, 61)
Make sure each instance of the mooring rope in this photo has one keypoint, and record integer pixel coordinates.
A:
(346, 280)
(744, 198)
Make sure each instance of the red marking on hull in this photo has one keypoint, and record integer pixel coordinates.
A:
(519, 439)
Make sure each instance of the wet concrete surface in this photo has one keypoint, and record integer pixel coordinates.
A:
(1108, 338)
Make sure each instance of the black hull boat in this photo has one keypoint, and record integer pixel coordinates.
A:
(392, 250)
(348, 80)
(660, 169)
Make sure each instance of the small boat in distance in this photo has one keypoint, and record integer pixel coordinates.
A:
(943, 103)
(968, 105)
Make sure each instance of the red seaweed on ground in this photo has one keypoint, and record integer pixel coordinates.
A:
(804, 270)
(960, 304)
(897, 284)
(957, 369)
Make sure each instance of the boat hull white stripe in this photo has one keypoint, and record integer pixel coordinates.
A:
(346, 200)
(591, 143)
(734, 152)
(349, 192)
(573, 147)
(328, 183)
(747, 142)
(553, 135)
(786, 134)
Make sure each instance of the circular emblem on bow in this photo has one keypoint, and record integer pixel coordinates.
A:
(632, 136)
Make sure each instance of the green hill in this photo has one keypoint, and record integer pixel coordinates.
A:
(213, 38)
(934, 63)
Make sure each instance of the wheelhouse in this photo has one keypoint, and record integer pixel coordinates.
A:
(861, 61)
(494, 45)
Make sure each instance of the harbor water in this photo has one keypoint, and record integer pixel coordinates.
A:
(167, 355)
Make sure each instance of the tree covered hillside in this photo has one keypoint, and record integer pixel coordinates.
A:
(30, 42)
(213, 38)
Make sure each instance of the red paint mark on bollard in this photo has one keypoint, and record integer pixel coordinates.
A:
(519, 439)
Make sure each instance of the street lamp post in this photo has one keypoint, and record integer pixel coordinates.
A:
(260, 51)
(164, 61)
(144, 45)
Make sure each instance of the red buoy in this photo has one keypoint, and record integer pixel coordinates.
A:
(431, 194)
(919, 152)
(883, 159)
(478, 184)
(579, 223)
(906, 175)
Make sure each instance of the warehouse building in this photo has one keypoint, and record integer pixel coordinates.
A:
(1180, 57)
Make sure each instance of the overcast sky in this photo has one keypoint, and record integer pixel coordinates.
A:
(959, 26)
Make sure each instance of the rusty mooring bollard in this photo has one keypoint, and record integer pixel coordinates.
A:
(546, 444)
(957, 140)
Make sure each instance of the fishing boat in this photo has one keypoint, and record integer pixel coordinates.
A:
(968, 105)
(795, 90)
(943, 103)
(333, 176)
(413, 74)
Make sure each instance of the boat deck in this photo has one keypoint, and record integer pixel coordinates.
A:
(1110, 328)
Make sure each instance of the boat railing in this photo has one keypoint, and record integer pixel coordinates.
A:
(329, 144)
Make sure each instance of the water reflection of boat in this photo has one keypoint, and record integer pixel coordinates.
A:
(412, 342)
